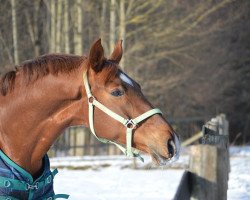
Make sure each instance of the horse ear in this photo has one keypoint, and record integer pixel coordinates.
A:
(96, 56)
(116, 56)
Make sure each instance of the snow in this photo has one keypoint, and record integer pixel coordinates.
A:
(113, 183)
(239, 178)
(111, 178)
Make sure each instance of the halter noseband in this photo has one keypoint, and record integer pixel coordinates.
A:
(130, 124)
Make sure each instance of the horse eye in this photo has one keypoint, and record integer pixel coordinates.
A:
(117, 93)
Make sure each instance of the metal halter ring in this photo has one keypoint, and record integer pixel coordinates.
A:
(130, 124)
(91, 99)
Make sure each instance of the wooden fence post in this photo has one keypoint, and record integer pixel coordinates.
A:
(210, 172)
(209, 166)
(209, 162)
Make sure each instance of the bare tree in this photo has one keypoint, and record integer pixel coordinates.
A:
(112, 32)
(53, 26)
(66, 26)
(122, 29)
(103, 25)
(35, 25)
(14, 31)
(78, 27)
(59, 18)
(6, 48)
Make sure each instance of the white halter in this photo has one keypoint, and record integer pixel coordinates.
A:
(130, 124)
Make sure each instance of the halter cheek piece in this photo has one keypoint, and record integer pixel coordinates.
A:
(130, 124)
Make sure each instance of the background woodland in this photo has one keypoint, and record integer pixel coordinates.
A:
(192, 58)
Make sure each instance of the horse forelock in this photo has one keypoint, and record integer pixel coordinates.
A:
(109, 71)
(40, 67)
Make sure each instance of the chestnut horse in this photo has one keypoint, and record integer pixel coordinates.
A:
(44, 96)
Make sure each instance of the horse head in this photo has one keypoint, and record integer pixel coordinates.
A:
(112, 89)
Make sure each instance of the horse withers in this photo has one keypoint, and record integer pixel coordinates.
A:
(44, 96)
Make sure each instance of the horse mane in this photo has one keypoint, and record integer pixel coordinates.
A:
(40, 67)
(50, 64)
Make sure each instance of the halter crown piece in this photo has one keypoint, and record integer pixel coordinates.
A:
(130, 124)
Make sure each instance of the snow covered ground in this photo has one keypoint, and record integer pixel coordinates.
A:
(115, 184)
(239, 178)
(111, 178)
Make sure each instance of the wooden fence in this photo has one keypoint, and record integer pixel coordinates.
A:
(207, 177)
(79, 141)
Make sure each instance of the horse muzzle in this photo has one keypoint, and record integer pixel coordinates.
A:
(166, 153)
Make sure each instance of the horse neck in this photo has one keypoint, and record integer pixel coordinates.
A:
(32, 121)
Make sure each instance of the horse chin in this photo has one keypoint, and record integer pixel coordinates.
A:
(162, 160)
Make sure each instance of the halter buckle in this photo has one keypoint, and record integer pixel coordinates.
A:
(130, 124)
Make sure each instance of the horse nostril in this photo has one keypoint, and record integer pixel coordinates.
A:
(171, 148)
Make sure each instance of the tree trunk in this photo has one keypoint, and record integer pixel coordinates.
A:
(58, 26)
(122, 32)
(14, 31)
(38, 24)
(112, 26)
(66, 26)
(36, 29)
(78, 44)
(53, 26)
(103, 25)
(7, 49)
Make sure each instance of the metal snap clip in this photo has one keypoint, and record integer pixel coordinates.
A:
(31, 187)
(49, 179)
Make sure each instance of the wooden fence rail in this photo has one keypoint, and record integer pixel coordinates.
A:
(207, 177)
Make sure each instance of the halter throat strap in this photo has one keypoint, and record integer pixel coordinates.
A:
(130, 124)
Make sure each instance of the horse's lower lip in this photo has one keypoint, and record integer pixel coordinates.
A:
(162, 160)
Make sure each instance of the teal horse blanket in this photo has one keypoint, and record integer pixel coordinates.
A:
(18, 184)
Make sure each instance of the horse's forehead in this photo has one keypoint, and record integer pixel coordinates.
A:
(124, 77)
